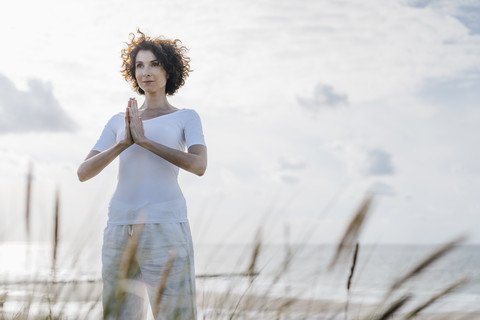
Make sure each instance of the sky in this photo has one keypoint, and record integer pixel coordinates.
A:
(307, 107)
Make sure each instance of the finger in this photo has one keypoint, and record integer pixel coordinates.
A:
(135, 107)
(129, 109)
(128, 115)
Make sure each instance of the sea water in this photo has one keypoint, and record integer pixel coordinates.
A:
(296, 271)
(306, 274)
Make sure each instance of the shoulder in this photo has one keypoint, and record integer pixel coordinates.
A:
(116, 119)
(188, 114)
(118, 116)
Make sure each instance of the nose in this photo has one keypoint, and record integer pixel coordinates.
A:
(146, 71)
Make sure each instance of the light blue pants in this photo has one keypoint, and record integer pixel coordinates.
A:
(124, 291)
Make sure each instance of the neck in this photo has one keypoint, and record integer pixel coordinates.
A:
(156, 101)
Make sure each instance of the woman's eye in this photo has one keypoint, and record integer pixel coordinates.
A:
(139, 65)
(155, 64)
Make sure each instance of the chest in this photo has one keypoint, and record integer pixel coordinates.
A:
(168, 131)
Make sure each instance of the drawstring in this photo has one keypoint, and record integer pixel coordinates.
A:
(130, 230)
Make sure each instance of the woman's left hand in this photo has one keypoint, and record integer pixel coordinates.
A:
(136, 124)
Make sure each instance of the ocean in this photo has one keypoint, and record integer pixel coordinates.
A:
(298, 272)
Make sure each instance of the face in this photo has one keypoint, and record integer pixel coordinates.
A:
(149, 72)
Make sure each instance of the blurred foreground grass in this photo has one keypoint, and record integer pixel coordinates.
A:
(55, 299)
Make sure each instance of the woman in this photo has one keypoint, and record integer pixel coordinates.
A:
(147, 211)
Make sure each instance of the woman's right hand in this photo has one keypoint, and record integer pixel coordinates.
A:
(96, 161)
(127, 139)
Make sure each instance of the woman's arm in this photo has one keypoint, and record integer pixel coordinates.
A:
(96, 161)
(194, 161)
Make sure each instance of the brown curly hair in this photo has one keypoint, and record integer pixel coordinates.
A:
(170, 54)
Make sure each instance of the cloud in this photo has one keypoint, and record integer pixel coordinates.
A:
(290, 179)
(289, 169)
(378, 162)
(290, 164)
(323, 96)
(36, 109)
(466, 11)
(362, 161)
(381, 188)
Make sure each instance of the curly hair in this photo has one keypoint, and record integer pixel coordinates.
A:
(170, 54)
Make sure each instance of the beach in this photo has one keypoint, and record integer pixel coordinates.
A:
(303, 288)
(83, 301)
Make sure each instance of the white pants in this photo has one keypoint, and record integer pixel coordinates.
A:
(124, 299)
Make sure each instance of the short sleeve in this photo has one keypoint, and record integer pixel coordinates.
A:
(108, 137)
(193, 130)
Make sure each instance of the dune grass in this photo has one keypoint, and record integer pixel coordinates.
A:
(52, 299)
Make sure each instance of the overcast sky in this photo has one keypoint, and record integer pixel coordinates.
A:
(306, 107)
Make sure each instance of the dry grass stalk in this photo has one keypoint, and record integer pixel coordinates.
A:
(287, 260)
(436, 297)
(3, 298)
(56, 228)
(352, 268)
(353, 231)
(28, 199)
(127, 261)
(425, 263)
(130, 252)
(256, 250)
(250, 272)
(349, 282)
(394, 307)
(281, 309)
(163, 282)
(113, 305)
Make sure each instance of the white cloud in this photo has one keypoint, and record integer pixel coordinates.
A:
(380, 188)
(378, 162)
(291, 164)
(33, 110)
(361, 161)
(466, 11)
(291, 170)
(324, 96)
(289, 179)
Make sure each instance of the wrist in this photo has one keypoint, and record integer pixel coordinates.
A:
(143, 142)
(124, 144)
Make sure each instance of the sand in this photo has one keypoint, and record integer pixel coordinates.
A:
(82, 300)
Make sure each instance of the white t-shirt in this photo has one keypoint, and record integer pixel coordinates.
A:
(147, 189)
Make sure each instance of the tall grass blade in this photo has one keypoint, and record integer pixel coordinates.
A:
(349, 282)
(28, 199)
(115, 300)
(250, 271)
(352, 232)
(394, 307)
(436, 297)
(256, 251)
(163, 283)
(56, 229)
(352, 268)
(425, 263)
(129, 255)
